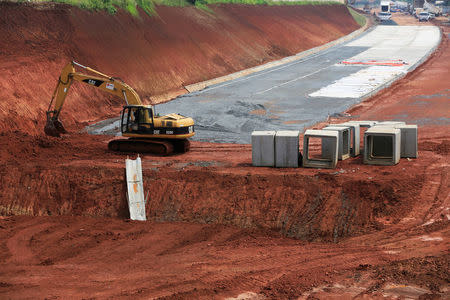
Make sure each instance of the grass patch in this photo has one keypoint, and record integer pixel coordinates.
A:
(203, 6)
(360, 19)
(111, 6)
(148, 6)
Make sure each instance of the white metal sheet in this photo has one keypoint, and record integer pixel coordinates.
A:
(136, 201)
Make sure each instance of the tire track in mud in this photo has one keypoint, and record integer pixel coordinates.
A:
(19, 245)
(434, 210)
(438, 179)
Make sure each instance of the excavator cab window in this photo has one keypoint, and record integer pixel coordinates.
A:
(136, 120)
(124, 120)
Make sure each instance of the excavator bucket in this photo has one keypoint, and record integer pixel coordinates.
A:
(54, 128)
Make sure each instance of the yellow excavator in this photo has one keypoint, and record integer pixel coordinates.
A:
(146, 131)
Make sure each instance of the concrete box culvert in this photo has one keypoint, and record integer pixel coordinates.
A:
(355, 137)
(382, 146)
(363, 125)
(328, 161)
(408, 141)
(343, 141)
(263, 148)
(408, 146)
(287, 149)
(366, 124)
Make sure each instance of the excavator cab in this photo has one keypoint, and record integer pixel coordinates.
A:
(137, 119)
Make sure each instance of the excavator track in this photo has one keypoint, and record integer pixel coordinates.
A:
(154, 146)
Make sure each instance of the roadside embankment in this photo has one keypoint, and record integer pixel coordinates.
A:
(157, 56)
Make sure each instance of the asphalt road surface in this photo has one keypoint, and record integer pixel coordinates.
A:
(299, 94)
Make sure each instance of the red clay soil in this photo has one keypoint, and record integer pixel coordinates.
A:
(155, 55)
(220, 228)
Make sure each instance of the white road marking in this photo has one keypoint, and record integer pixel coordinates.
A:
(292, 80)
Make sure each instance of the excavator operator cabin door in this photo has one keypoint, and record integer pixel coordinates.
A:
(136, 119)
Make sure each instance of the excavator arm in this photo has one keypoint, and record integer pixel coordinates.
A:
(104, 82)
(144, 131)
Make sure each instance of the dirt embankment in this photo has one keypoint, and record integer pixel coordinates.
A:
(155, 55)
(325, 205)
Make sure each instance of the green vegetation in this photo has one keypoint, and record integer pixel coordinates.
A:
(111, 6)
(148, 6)
(361, 20)
(267, 2)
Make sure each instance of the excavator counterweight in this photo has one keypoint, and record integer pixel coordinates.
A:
(145, 131)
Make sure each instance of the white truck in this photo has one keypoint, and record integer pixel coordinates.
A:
(385, 13)
(385, 6)
(423, 16)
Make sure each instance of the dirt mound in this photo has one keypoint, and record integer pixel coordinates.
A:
(155, 55)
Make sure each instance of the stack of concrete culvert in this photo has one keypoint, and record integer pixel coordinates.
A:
(276, 149)
(384, 143)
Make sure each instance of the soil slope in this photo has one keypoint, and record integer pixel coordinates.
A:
(155, 55)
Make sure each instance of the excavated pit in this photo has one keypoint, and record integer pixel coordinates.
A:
(77, 176)
(301, 206)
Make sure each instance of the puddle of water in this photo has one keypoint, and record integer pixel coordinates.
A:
(444, 93)
(431, 221)
(403, 290)
(247, 296)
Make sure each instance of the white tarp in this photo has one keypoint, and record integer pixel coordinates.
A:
(136, 202)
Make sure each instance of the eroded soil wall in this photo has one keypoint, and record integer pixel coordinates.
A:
(155, 55)
(78, 176)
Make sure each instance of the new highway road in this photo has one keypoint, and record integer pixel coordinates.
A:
(300, 93)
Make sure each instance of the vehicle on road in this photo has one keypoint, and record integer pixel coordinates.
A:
(366, 9)
(423, 16)
(145, 131)
(385, 6)
(417, 11)
(384, 16)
